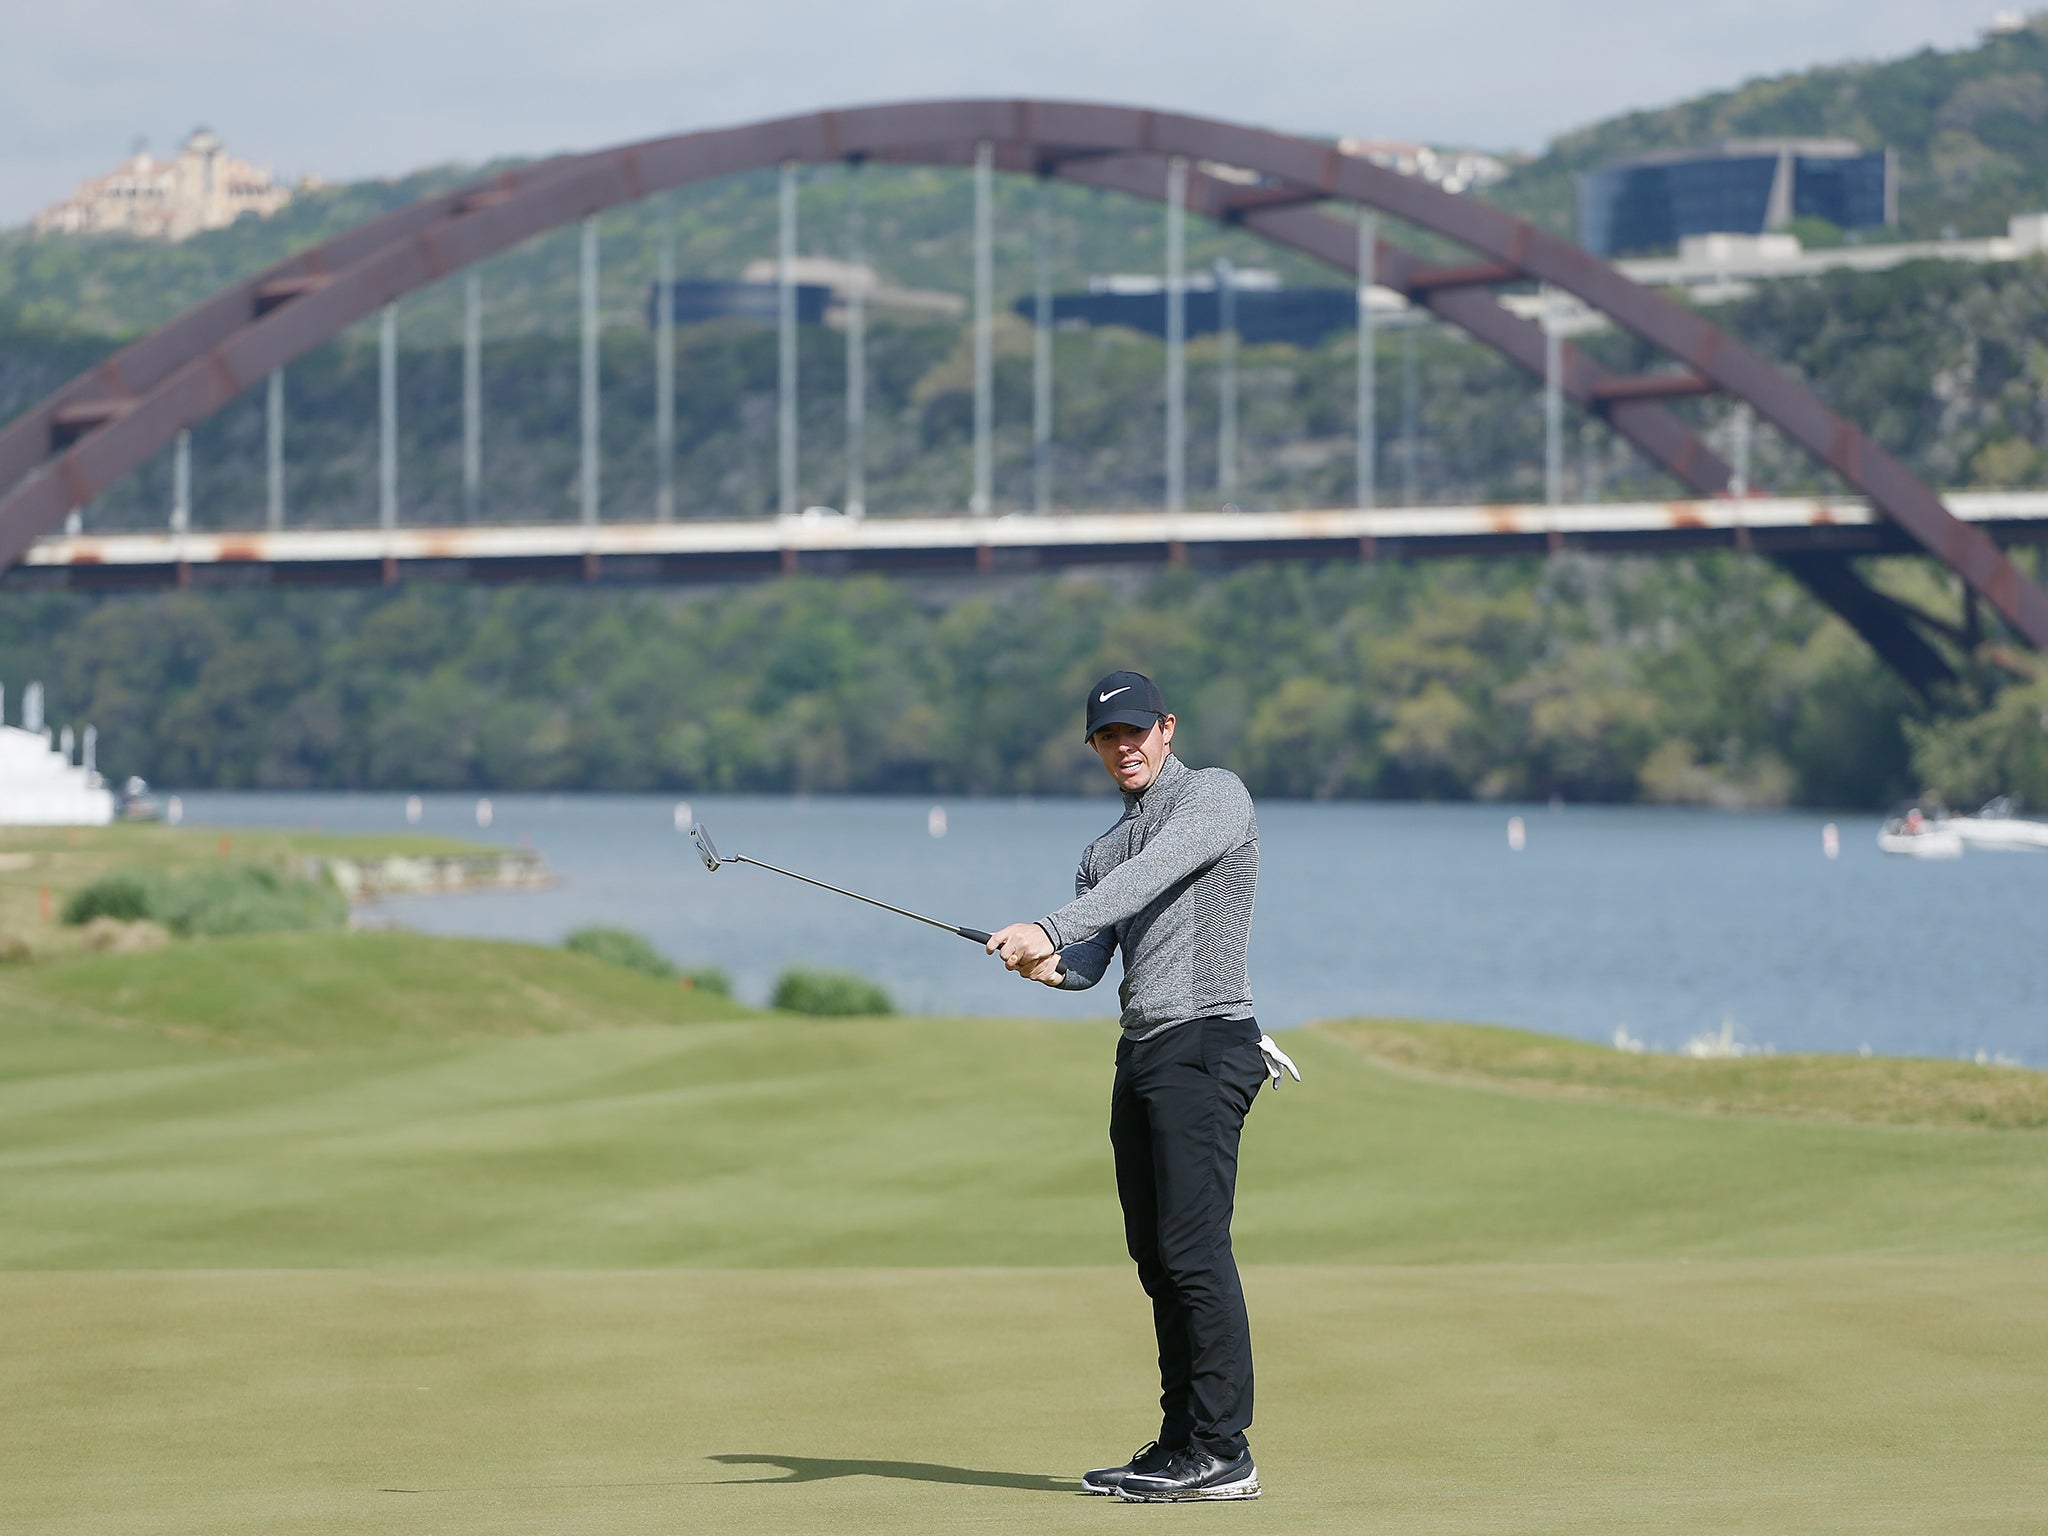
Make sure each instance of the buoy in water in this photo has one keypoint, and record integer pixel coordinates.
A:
(483, 813)
(1518, 834)
(683, 816)
(414, 810)
(1831, 841)
(935, 821)
(174, 810)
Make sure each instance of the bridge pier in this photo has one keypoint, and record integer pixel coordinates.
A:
(785, 321)
(1226, 382)
(856, 348)
(1365, 413)
(472, 395)
(1041, 354)
(387, 418)
(665, 365)
(273, 450)
(1176, 335)
(1741, 427)
(980, 500)
(593, 444)
(1411, 473)
(1553, 401)
(181, 482)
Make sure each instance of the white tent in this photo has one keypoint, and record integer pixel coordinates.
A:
(40, 786)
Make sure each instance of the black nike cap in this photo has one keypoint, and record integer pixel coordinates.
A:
(1124, 698)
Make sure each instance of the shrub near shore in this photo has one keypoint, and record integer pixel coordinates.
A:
(829, 994)
(623, 947)
(209, 902)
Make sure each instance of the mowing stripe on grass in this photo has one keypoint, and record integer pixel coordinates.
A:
(1806, 1395)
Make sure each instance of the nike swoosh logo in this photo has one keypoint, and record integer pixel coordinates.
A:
(1104, 698)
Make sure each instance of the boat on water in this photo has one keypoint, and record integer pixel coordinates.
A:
(1914, 834)
(136, 802)
(46, 781)
(2000, 827)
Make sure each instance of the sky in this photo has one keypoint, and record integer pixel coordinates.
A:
(381, 87)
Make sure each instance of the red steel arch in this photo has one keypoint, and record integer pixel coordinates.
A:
(109, 420)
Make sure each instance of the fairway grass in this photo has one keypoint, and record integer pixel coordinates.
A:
(373, 1100)
(341, 1233)
(1789, 1396)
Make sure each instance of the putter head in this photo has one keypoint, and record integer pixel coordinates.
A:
(706, 849)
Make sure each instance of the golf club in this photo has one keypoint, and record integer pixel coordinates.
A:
(708, 852)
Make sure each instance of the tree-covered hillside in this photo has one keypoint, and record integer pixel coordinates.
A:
(1970, 127)
(1702, 680)
(918, 225)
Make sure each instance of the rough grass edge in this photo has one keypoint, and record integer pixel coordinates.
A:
(1900, 1091)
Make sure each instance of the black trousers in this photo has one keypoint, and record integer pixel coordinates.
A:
(1175, 1115)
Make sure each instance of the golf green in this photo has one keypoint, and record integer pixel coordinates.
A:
(374, 1232)
(1806, 1396)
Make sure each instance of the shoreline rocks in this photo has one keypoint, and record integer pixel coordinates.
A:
(367, 880)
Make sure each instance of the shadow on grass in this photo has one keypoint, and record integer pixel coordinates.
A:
(811, 1469)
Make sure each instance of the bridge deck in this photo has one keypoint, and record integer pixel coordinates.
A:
(692, 551)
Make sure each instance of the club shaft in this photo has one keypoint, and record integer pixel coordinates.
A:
(840, 890)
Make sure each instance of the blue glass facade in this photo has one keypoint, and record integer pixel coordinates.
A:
(698, 300)
(1302, 316)
(1653, 203)
(1849, 193)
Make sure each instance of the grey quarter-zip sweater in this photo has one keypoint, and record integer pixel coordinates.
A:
(1171, 885)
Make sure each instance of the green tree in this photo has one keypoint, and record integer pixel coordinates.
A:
(1999, 750)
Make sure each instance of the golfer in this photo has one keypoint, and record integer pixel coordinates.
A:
(1171, 885)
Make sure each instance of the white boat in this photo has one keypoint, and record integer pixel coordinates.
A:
(1916, 835)
(2000, 826)
(40, 784)
(134, 802)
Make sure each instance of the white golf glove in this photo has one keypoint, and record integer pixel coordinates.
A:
(1276, 1060)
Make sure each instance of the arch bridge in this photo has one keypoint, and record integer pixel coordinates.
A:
(104, 424)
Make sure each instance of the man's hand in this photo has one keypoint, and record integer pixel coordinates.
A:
(1049, 971)
(1020, 945)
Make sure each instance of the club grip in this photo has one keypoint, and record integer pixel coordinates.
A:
(972, 933)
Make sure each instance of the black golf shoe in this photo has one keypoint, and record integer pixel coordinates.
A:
(1153, 1457)
(1193, 1474)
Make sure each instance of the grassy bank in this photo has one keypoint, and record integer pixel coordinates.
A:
(42, 867)
(329, 1232)
(1870, 1090)
(387, 1099)
(295, 993)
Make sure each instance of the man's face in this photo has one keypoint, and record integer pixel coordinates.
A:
(1133, 754)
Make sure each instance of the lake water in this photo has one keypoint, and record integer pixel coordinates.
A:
(1668, 924)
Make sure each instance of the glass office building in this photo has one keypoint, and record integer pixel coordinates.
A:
(1653, 201)
(1299, 316)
